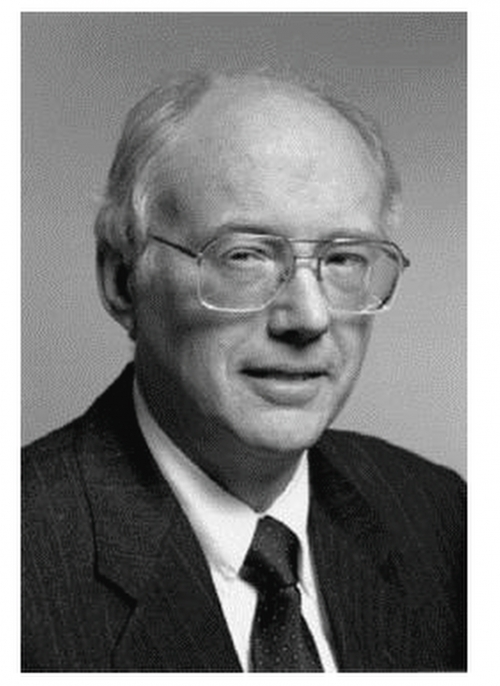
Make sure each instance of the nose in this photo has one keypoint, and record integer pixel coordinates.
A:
(300, 314)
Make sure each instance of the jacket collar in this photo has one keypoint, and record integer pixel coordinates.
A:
(146, 548)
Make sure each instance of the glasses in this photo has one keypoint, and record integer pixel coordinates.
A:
(244, 272)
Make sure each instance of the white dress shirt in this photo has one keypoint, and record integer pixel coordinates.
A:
(225, 527)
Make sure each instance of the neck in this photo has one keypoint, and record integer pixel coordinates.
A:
(254, 476)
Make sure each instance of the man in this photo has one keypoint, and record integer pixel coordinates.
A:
(200, 517)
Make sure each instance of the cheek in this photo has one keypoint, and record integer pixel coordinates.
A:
(205, 357)
(208, 362)
(194, 347)
(166, 303)
(351, 338)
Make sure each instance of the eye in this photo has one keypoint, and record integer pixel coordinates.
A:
(246, 256)
(347, 259)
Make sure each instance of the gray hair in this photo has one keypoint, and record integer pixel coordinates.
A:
(156, 121)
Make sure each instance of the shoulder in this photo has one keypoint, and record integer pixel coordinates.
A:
(52, 474)
(52, 462)
(361, 454)
(61, 591)
(55, 517)
(408, 492)
(49, 466)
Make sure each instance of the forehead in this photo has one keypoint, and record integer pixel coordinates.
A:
(267, 156)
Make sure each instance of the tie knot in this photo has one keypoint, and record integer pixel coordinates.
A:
(271, 561)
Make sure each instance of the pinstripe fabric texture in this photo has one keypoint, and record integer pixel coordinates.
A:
(114, 578)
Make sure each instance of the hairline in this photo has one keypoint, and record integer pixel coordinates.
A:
(128, 198)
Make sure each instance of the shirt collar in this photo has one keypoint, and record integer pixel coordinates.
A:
(224, 524)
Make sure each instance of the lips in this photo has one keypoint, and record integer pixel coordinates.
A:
(285, 385)
(284, 374)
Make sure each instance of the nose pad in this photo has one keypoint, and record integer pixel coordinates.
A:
(301, 307)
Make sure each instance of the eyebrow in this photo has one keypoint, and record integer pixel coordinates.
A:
(265, 229)
(244, 227)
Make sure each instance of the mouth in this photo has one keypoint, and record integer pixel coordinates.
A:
(288, 386)
(283, 374)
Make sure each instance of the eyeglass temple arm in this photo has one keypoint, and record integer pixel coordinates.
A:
(406, 261)
(181, 248)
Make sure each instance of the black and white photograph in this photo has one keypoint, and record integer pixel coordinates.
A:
(244, 309)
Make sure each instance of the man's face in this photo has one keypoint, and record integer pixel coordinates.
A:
(275, 379)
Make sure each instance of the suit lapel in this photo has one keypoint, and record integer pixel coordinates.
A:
(146, 549)
(178, 623)
(371, 593)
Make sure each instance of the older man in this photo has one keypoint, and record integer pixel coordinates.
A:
(200, 517)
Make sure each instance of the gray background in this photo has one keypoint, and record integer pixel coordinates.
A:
(81, 72)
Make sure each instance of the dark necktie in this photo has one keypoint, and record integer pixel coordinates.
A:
(281, 640)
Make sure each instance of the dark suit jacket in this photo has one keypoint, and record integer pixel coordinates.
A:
(114, 578)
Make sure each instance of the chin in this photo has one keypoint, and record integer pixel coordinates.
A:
(285, 432)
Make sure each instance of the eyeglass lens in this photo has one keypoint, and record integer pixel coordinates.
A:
(244, 272)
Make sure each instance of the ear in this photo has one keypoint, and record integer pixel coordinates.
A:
(392, 216)
(114, 279)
